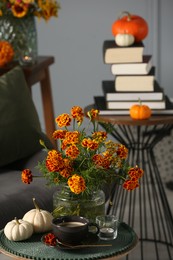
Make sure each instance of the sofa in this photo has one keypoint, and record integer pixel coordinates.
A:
(20, 132)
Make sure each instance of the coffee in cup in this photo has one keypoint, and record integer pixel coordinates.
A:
(73, 229)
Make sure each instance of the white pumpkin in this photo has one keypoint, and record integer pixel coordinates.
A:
(18, 230)
(124, 39)
(40, 219)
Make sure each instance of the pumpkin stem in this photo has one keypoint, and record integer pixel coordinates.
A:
(35, 204)
(17, 221)
(140, 102)
(125, 13)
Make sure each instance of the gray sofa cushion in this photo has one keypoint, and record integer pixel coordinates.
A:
(20, 128)
(16, 197)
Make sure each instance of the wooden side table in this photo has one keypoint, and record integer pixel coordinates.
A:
(39, 73)
(145, 209)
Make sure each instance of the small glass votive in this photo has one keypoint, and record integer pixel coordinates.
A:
(108, 225)
(27, 58)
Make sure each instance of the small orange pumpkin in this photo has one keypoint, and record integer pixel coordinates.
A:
(139, 111)
(131, 24)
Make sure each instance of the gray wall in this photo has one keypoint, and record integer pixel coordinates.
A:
(75, 40)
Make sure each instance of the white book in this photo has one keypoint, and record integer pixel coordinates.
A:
(142, 68)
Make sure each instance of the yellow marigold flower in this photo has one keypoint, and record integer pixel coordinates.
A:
(27, 176)
(48, 8)
(54, 161)
(72, 151)
(76, 184)
(122, 151)
(63, 120)
(1, 13)
(6, 53)
(59, 134)
(19, 10)
(99, 136)
(72, 137)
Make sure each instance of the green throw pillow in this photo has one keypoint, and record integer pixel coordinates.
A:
(20, 129)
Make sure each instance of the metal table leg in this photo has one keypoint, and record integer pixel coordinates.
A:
(147, 205)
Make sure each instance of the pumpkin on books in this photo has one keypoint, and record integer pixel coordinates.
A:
(124, 39)
(140, 111)
(131, 24)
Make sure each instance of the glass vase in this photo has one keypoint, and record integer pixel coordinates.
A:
(21, 33)
(67, 203)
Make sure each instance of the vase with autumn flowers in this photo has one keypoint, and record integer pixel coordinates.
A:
(17, 23)
(84, 163)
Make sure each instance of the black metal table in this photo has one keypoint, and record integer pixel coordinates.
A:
(148, 205)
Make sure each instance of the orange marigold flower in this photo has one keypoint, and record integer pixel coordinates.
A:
(27, 176)
(54, 161)
(72, 151)
(93, 113)
(130, 184)
(101, 161)
(66, 172)
(122, 151)
(77, 113)
(6, 53)
(59, 134)
(90, 144)
(136, 172)
(72, 137)
(99, 136)
(50, 239)
(63, 120)
(76, 184)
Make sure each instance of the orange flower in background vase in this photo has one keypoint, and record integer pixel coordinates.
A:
(6, 53)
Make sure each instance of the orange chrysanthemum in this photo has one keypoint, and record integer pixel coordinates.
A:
(27, 176)
(76, 184)
(66, 172)
(6, 53)
(93, 113)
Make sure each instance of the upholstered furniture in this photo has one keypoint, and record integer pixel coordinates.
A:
(20, 132)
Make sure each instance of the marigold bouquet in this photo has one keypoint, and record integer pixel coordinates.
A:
(85, 162)
(20, 8)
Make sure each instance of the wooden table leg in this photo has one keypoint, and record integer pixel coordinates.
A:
(48, 106)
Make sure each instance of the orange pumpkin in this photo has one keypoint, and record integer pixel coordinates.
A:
(131, 24)
(139, 111)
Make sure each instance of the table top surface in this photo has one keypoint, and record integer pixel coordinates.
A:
(127, 120)
(34, 248)
(41, 62)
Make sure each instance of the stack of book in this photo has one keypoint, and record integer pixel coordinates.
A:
(134, 80)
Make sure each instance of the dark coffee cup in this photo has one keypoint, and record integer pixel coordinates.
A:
(73, 229)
